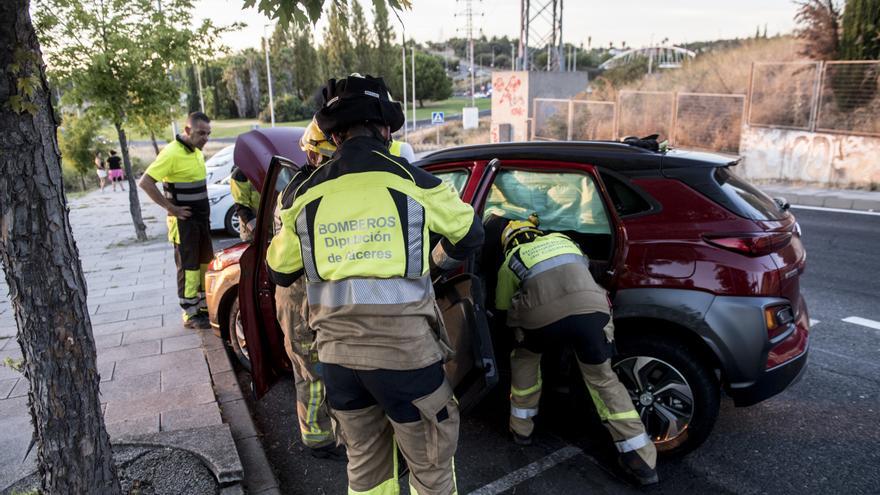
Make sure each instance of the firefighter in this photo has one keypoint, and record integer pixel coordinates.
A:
(181, 169)
(292, 310)
(551, 299)
(247, 202)
(358, 228)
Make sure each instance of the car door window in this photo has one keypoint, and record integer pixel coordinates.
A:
(456, 178)
(563, 201)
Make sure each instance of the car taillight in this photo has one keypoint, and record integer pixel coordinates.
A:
(751, 244)
(777, 319)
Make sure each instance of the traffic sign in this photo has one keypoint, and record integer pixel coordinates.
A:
(437, 118)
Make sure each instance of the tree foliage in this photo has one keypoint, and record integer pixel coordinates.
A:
(432, 83)
(364, 53)
(301, 13)
(78, 142)
(861, 30)
(819, 28)
(339, 52)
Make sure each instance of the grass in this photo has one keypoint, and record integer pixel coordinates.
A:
(234, 127)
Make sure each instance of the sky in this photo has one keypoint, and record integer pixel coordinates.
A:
(638, 22)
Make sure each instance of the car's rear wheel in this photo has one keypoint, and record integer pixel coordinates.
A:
(231, 222)
(675, 393)
(236, 335)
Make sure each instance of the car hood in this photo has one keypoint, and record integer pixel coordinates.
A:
(254, 150)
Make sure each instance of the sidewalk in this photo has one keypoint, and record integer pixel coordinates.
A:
(155, 374)
(845, 199)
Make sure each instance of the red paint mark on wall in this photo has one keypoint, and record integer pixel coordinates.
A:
(510, 90)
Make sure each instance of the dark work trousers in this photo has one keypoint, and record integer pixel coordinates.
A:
(192, 254)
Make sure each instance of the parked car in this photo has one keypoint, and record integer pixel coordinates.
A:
(223, 215)
(219, 166)
(702, 268)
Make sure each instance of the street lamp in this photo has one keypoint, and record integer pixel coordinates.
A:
(269, 76)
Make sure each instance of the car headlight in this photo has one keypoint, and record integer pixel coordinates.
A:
(216, 199)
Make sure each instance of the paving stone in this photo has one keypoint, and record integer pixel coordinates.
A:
(130, 351)
(128, 325)
(7, 373)
(13, 407)
(21, 388)
(173, 344)
(140, 302)
(110, 317)
(238, 416)
(6, 342)
(257, 471)
(112, 340)
(6, 386)
(154, 334)
(140, 288)
(190, 417)
(191, 358)
(155, 310)
(218, 360)
(130, 388)
(14, 441)
(139, 425)
(106, 370)
(111, 297)
(211, 341)
(176, 398)
(185, 375)
(226, 386)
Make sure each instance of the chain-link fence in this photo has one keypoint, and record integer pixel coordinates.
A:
(592, 120)
(849, 98)
(551, 119)
(642, 113)
(708, 121)
(783, 94)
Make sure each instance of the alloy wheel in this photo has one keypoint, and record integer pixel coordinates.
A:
(240, 338)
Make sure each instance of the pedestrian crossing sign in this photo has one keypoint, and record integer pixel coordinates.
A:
(437, 118)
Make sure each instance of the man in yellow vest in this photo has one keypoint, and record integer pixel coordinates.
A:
(358, 229)
(181, 169)
(551, 300)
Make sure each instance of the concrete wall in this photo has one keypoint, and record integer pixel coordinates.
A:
(810, 157)
(513, 94)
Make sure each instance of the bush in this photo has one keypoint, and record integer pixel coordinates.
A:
(288, 108)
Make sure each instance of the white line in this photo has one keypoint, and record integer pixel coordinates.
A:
(527, 472)
(837, 210)
(863, 322)
(813, 322)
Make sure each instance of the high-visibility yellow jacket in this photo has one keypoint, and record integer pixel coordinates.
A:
(546, 280)
(358, 229)
(181, 170)
(245, 196)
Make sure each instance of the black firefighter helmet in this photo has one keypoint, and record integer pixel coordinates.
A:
(358, 99)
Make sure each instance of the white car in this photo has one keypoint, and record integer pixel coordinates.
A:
(223, 215)
(219, 165)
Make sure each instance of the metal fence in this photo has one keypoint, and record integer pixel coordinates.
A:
(783, 94)
(849, 98)
(708, 121)
(641, 113)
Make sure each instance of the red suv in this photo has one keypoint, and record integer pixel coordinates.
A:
(702, 269)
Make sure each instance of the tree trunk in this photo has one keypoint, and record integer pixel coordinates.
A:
(155, 144)
(46, 284)
(82, 179)
(134, 204)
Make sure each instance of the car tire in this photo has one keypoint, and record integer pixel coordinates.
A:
(674, 383)
(231, 222)
(237, 339)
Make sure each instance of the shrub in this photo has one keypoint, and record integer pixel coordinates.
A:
(288, 108)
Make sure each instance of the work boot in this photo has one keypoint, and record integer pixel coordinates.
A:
(330, 452)
(197, 322)
(633, 464)
(521, 439)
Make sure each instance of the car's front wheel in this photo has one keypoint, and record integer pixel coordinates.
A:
(676, 395)
(231, 222)
(236, 335)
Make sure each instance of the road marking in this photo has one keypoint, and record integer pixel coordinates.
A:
(837, 210)
(844, 356)
(528, 472)
(863, 322)
(813, 322)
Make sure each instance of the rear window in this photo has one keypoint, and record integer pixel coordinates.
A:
(745, 199)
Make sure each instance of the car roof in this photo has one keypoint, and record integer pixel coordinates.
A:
(617, 156)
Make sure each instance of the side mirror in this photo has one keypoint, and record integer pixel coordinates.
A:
(784, 205)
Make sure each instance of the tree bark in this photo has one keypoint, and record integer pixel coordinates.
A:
(46, 284)
(82, 179)
(155, 144)
(134, 204)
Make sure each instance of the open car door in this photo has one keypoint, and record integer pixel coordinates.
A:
(473, 371)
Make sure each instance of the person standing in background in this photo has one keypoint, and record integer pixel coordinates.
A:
(116, 175)
(100, 167)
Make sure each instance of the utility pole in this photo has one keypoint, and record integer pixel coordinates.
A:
(403, 65)
(413, 53)
(512, 56)
(199, 80)
(269, 76)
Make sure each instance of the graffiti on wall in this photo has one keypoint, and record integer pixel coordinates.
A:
(509, 89)
(812, 157)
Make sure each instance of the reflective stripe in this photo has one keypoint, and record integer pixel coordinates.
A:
(631, 414)
(189, 185)
(416, 216)
(518, 268)
(388, 487)
(517, 412)
(523, 392)
(192, 282)
(350, 291)
(633, 443)
(302, 230)
(192, 197)
(550, 263)
(441, 259)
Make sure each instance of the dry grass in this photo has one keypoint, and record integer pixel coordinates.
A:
(451, 134)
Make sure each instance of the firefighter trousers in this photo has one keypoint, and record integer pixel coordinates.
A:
(193, 250)
(379, 411)
(315, 426)
(590, 335)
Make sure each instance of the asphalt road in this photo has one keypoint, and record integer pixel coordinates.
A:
(819, 436)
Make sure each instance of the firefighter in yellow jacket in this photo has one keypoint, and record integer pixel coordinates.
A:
(247, 202)
(551, 299)
(358, 229)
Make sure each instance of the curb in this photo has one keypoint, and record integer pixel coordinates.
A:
(827, 198)
(258, 476)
